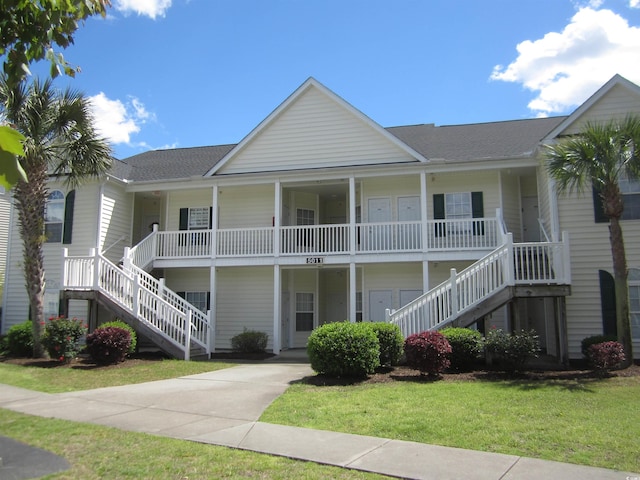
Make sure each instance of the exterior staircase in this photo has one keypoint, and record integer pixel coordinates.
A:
(142, 301)
(508, 272)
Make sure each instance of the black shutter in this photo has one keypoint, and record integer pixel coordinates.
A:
(210, 218)
(208, 301)
(438, 213)
(598, 208)
(181, 294)
(67, 229)
(477, 211)
(184, 219)
(608, 302)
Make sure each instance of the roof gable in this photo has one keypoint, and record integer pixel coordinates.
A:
(314, 128)
(614, 99)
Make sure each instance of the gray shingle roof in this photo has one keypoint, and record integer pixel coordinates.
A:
(478, 141)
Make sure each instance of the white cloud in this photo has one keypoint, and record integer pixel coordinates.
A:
(117, 120)
(150, 8)
(634, 3)
(565, 68)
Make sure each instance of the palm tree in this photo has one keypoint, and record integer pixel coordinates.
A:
(61, 142)
(599, 157)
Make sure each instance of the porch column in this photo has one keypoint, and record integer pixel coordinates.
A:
(213, 307)
(214, 223)
(277, 309)
(423, 210)
(560, 311)
(277, 213)
(352, 216)
(352, 292)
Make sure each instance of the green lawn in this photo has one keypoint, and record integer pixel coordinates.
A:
(589, 422)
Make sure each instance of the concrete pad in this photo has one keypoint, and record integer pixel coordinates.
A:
(69, 408)
(230, 437)
(21, 461)
(433, 462)
(192, 431)
(307, 444)
(263, 373)
(149, 420)
(534, 469)
(9, 394)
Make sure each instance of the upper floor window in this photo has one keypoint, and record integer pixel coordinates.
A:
(305, 216)
(630, 189)
(54, 217)
(458, 206)
(634, 301)
(195, 218)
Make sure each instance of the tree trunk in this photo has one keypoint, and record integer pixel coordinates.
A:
(30, 200)
(620, 275)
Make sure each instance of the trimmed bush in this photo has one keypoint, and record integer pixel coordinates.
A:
(428, 352)
(512, 350)
(606, 355)
(128, 328)
(391, 342)
(108, 345)
(344, 349)
(593, 340)
(62, 337)
(249, 341)
(466, 347)
(19, 340)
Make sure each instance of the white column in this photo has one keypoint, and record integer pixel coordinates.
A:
(213, 307)
(277, 307)
(352, 215)
(214, 222)
(423, 209)
(352, 291)
(277, 212)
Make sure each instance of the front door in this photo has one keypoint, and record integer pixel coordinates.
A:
(379, 301)
(379, 236)
(530, 225)
(409, 235)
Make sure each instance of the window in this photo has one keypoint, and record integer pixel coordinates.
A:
(200, 300)
(54, 217)
(634, 301)
(358, 306)
(304, 312)
(457, 205)
(630, 189)
(195, 218)
(305, 216)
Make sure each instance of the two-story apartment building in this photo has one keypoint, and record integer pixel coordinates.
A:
(319, 215)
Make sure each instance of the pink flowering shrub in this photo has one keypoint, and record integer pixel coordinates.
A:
(108, 345)
(62, 337)
(606, 356)
(428, 352)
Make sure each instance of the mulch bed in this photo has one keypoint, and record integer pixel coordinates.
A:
(85, 362)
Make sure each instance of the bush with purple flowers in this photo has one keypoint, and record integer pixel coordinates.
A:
(606, 356)
(108, 345)
(428, 352)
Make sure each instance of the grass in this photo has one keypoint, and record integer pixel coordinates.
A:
(67, 379)
(588, 422)
(102, 452)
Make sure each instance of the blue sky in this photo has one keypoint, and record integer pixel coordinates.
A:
(183, 73)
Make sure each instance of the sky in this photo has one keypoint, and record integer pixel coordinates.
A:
(185, 73)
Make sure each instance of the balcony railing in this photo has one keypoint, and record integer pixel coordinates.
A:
(388, 237)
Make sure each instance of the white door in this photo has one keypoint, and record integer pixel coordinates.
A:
(379, 236)
(409, 235)
(530, 225)
(379, 301)
(407, 296)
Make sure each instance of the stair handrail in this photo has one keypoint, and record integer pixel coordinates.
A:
(144, 252)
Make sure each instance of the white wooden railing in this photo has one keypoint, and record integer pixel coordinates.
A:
(510, 264)
(141, 295)
(388, 237)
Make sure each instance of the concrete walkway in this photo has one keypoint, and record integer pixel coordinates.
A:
(223, 407)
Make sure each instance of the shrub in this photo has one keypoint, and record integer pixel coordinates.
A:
(19, 341)
(391, 342)
(249, 341)
(344, 349)
(128, 328)
(62, 337)
(606, 355)
(466, 347)
(428, 352)
(108, 345)
(593, 340)
(512, 350)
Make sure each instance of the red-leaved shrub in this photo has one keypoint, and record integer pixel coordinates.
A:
(428, 352)
(606, 356)
(108, 344)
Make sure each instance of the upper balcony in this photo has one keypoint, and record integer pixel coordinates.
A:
(478, 234)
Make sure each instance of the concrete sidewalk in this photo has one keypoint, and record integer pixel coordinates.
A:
(223, 407)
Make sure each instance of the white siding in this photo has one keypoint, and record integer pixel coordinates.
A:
(484, 181)
(391, 187)
(115, 223)
(251, 206)
(5, 213)
(394, 277)
(185, 199)
(511, 205)
(315, 131)
(590, 252)
(244, 298)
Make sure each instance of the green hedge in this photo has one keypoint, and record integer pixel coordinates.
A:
(391, 342)
(466, 347)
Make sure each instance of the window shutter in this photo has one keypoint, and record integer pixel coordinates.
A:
(184, 219)
(598, 210)
(208, 301)
(67, 228)
(477, 211)
(181, 294)
(608, 302)
(439, 214)
(210, 218)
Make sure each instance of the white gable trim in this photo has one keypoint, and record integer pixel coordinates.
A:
(602, 91)
(312, 83)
